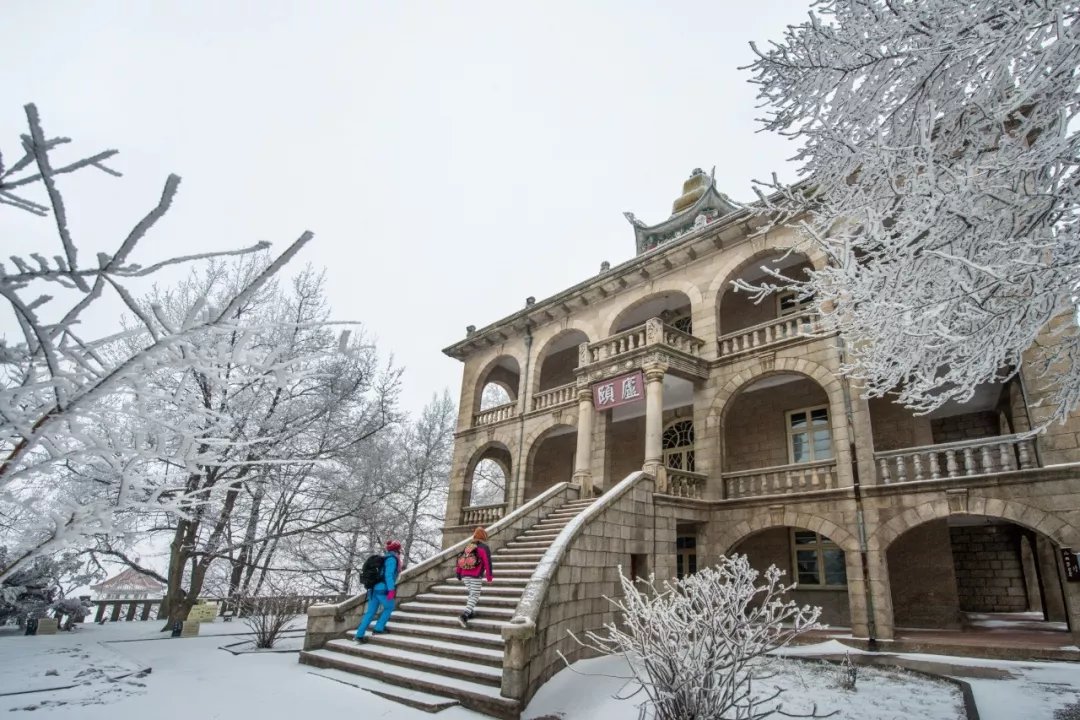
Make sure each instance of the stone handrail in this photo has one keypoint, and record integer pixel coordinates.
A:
(683, 341)
(652, 332)
(555, 396)
(495, 414)
(956, 459)
(482, 514)
(522, 626)
(685, 484)
(617, 344)
(326, 622)
(765, 334)
(780, 479)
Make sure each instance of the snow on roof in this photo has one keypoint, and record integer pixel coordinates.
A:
(129, 579)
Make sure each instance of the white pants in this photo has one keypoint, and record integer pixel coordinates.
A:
(473, 585)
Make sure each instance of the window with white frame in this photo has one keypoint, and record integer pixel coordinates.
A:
(678, 445)
(789, 303)
(809, 435)
(818, 561)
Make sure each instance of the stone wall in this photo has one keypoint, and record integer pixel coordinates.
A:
(894, 426)
(773, 547)
(756, 426)
(327, 622)
(989, 573)
(567, 592)
(923, 579)
(624, 447)
(553, 463)
(969, 426)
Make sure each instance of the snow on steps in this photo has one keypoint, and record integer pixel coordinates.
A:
(427, 654)
(411, 698)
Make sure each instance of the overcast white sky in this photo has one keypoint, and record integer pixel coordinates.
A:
(452, 158)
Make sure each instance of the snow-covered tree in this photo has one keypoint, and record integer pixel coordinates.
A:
(938, 147)
(78, 440)
(697, 645)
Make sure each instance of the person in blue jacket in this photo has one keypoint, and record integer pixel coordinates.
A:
(382, 595)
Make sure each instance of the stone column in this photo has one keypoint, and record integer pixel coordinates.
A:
(583, 456)
(654, 420)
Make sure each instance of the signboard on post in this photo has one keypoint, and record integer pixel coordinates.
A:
(1072, 565)
(620, 390)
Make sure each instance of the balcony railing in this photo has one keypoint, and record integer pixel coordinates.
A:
(685, 484)
(652, 332)
(768, 333)
(483, 514)
(562, 395)
(495, 414)
(958, 459)
(780, 480)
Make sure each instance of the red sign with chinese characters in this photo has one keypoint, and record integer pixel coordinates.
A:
(619, 391)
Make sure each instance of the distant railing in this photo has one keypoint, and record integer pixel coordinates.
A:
(141, 610)
(482, 514)
(554, 397)
(780, 480)
(652, 332)
(766, 334)
(685, 484)
(958, 459)
(127, 610)
(495, 414)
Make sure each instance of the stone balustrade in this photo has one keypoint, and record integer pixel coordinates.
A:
(618, 344)
(958, 459)
(685, 484)
(495, 415)
(765, 334)
(780, 480)
(651, 332)
(562, 395)
(482, 514)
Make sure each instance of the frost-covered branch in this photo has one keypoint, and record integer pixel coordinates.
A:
(939, 149)
(696, 646)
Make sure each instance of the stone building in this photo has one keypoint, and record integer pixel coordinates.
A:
(652, 417)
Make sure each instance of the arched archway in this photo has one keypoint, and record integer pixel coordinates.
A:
(977, 573)
(498, 384)
(674, 307)
(737, 311)
(824, 569)
(557, 360)
(486, 475)
(550, 459)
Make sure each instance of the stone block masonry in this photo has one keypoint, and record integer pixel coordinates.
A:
(989, 571)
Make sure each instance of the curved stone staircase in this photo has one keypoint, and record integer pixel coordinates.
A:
(426, 650)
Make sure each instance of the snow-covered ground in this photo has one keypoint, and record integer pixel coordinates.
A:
(193, 676)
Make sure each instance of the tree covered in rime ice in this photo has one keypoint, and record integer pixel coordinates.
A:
(275, 408)
(697, 646)
(938, 145)
(84, 432)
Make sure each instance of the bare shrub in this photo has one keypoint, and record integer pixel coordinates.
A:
(268, 616)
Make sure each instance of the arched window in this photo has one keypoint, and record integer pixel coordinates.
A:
(679, 445)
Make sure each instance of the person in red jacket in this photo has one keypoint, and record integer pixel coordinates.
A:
(473, 563)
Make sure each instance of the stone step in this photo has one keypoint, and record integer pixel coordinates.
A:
(470, 638)
(500, 580)
(563, 516)
(455, 609)
(442, 648)
(479, 625)
(515, 572)
(490, 590)
(472, 695)
(381, 654)
(509, 564)
(411, 698)
(459, 599)
(548, 535)
(528, 544)
(556, 527)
